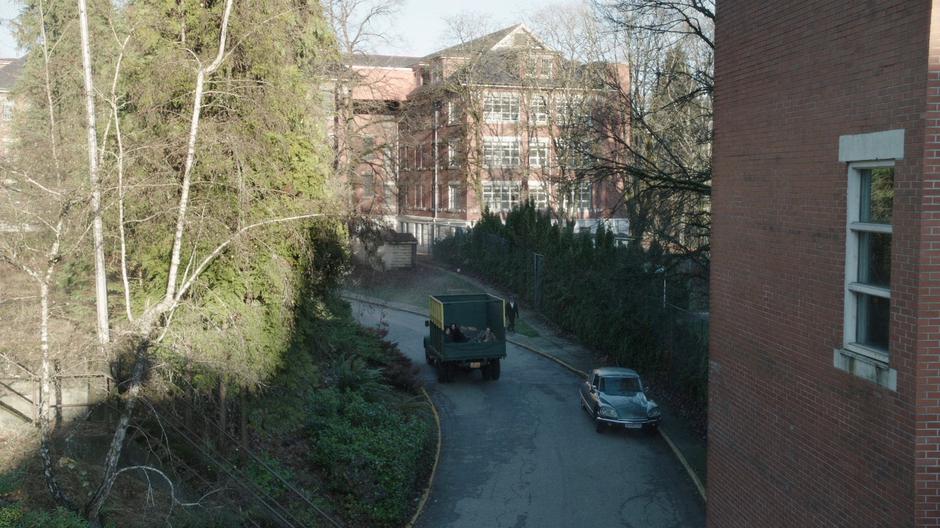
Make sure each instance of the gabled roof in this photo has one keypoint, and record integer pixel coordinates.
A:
(498, 39)
(10, 70)
(381, 61)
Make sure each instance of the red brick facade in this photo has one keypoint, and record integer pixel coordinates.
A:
(795, 441)
(513, 63)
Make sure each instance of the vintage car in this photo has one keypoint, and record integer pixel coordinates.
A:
(615, 397)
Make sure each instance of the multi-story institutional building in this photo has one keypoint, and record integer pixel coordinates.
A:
(433, 141)
(9, 73)
(825, 318)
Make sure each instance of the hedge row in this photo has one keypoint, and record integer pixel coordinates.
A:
(630, 302)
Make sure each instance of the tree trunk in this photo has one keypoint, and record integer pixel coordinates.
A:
(93, 508)
(45, 376)
(101, 284)
(223, 412)
(243, 423)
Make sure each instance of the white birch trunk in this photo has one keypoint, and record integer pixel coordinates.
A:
(101, 284)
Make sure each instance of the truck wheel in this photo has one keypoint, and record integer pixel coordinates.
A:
(445, 372)
(494, 370)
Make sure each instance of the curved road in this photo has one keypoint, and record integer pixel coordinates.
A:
(520, 452)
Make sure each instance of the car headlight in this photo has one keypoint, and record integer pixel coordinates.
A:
(607, 412)
(653, 412)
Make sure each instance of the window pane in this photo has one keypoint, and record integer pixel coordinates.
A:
(874, 259)
(877, 195)
(873, 318)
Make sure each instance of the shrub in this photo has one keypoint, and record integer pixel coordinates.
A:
(373, 455)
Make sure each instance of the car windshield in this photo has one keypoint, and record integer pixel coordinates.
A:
(620, 386)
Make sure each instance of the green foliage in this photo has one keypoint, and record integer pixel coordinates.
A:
(11, 481)
(15, 517)
(610, 297)
(373, 454)
(264, 475)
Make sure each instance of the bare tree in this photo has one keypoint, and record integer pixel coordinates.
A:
(101, 283)
(361, 24)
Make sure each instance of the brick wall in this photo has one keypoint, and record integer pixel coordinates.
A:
(927, 429)
(794, 441)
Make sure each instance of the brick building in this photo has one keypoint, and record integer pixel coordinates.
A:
(9, 72)
(434, 140)
(825, 318)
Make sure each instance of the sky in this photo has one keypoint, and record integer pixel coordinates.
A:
(8, 10)
(418, 30)
(421, 29)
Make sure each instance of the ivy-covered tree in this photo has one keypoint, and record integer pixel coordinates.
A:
(213, 165)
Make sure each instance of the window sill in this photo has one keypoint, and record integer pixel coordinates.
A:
(862, 363)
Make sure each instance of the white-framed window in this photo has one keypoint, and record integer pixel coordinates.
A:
(454, 197)
(501, 152)
(868, 259)
(501, 107)
(452, 112)
(453, 153)
(368, 182)
(572, 109)
(572, 154)
(540, 66)
(389, 196)
(402, 201)
(577, 197)
(501, 196)
(407, 158)
(538, 109)
(538, 153)
(419, 157)
(538, 193)
(368, 148)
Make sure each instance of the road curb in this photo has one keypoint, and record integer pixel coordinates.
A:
(437, 458)
(675, 450)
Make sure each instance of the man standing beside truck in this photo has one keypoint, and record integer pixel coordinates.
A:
(512, 311)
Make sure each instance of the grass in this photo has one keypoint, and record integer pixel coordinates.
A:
(523, 328)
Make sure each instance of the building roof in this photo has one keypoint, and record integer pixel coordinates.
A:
(479, 44)
(381, 61)
(10, 70)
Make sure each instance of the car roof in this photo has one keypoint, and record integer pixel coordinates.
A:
(615, 371)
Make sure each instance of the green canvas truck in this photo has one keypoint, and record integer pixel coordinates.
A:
(466, 331)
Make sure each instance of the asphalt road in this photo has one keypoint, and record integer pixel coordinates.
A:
(520, 452)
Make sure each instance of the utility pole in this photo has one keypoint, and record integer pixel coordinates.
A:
(435, 193)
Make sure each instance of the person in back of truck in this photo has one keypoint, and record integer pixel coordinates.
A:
(455, 334)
